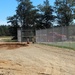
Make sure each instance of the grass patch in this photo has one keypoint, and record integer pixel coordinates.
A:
(61, 46)
(7, 39)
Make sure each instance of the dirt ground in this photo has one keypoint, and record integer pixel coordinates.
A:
(36, 59)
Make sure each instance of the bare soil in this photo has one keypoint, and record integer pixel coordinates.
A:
(35, 59)
(12, 45)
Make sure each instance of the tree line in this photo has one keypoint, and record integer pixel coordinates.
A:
(43, 15)
(5, 30)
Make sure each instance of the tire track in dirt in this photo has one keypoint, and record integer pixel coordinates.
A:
(67, 59)
(37, 60)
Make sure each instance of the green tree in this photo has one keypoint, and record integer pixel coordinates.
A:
(46, 15)
(14, 25)
(24, 11)
(4, 30)
(25, 17)
(65, 13)
(27, 14)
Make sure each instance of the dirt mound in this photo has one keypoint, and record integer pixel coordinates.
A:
(12, 45)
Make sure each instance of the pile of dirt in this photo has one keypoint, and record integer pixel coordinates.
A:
(12, 45)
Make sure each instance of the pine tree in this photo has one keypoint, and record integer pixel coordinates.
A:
(46, 15)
